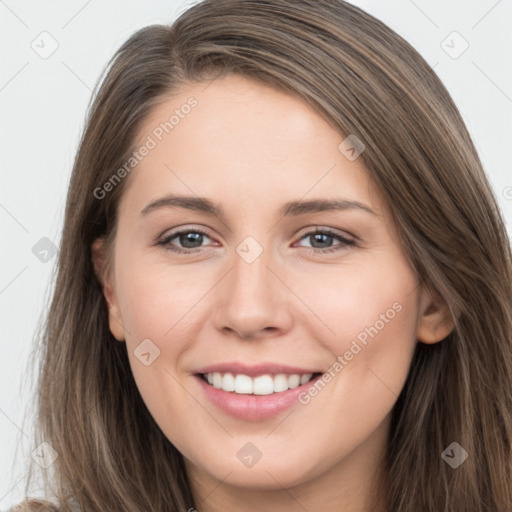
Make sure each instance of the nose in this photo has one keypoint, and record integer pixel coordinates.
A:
(252, 300)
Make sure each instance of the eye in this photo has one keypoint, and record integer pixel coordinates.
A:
(190, 239)
(323, 237)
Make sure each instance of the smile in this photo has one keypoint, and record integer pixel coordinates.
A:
(256, 398)
(266, 384)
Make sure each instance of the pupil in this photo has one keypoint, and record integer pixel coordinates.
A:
(320, 235)
(190, 238)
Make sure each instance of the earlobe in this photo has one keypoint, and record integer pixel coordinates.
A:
(436, 320)
(105, 278)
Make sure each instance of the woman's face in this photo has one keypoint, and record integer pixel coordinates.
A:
(259, 302)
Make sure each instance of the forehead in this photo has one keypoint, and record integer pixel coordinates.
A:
(238, 139)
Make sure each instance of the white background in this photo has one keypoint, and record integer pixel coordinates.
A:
(42, 108)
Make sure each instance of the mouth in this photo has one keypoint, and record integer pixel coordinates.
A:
(255, 392)
(264, 384)
(254, 398)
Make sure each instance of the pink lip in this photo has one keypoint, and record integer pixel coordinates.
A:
(253, 407)
(255, 370)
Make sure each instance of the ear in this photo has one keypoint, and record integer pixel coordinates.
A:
(435, 321)
(106, 280)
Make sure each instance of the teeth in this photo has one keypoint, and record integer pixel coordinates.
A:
(217, 380)
(305, 378)
(228, 382)
(293, 381)
(280, 383)
(261, 385)
(243, 384)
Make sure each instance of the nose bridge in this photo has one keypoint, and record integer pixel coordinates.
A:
(251, 277)
(252, 297)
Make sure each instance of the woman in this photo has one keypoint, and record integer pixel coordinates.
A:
(253, 372)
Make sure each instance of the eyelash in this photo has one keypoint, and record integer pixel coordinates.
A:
(165, 242)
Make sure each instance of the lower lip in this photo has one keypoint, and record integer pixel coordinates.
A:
(253, 407)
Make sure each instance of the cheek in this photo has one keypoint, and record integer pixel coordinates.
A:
(157, 304)
(374, 315)
(378, 324)
(155, 301)
(376, 291)
(159, 301)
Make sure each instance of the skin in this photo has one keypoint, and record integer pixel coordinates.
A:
(250, 149)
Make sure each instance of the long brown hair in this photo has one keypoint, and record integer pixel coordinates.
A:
(364, 80)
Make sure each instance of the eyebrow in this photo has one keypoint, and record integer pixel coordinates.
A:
(291, 208)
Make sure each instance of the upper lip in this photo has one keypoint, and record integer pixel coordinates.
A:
(255, 370)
